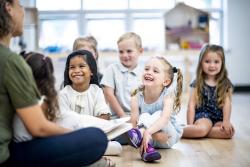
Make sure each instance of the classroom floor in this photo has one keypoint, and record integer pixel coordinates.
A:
(194, 153)
(203, 152)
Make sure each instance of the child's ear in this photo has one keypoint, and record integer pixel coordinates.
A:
(141, 50)
(166, 82)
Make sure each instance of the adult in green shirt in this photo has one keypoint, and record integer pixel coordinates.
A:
(53, 145)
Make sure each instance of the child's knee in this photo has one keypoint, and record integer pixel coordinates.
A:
(160, 137)
(203, 131)
(165, 140)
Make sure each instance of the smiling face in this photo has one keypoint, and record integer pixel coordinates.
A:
(211, 64)
(79, 73)
(155, 74)
(129, 53)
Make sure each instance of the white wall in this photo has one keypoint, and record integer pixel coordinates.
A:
(238, 41)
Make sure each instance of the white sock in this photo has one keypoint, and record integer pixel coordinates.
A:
(114, 148)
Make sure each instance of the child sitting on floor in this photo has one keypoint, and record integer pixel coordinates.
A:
(153, 109)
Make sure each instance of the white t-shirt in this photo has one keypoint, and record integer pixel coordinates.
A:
(89, 102)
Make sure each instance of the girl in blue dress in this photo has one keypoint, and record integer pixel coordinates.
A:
(153, 109)
(209, 107)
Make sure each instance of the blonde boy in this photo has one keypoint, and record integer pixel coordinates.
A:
(121, 78)
(88, 43)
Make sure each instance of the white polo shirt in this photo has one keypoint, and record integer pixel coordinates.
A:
(123, 81)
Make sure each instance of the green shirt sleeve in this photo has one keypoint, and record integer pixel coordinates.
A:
(20, 83)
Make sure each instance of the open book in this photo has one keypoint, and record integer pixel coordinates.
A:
(112, 128)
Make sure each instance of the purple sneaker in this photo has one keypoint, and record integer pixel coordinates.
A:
(135, 137)
(150, 155)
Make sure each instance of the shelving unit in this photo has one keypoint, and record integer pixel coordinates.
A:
(186, 27)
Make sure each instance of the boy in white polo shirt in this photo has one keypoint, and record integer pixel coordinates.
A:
(121, 78)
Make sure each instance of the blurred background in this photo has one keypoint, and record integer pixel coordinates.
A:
(173, 28)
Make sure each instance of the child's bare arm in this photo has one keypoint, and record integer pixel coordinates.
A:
(191, 108)
(134, 111)
(226, 124)
(227, 110)
(113, 102)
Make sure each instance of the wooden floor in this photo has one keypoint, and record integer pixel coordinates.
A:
(203, 152)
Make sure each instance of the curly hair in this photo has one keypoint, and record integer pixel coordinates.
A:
(6, 24)
(43, 73)
(223, 84)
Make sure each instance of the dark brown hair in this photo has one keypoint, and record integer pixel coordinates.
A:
(43, 72)
(6, 24)
(89, 59)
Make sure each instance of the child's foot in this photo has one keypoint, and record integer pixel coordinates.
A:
(150, 155)
(135, 137)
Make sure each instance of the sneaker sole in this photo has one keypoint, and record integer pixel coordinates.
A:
(150, 157)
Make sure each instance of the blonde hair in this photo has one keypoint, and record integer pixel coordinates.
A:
(131, 35)
(79, 43)
(170, 70)
(223, 84)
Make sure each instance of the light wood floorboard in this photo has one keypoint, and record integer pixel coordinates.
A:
(203, 152)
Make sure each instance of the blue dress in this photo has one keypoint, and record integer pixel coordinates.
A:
(149, 113)
(209, 108)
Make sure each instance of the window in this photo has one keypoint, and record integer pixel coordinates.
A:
(104, 4)
(58, 4)
(106, 32)
(58, 33)
(151, 32)
(109, 19)
(151, 4)
(202, 4)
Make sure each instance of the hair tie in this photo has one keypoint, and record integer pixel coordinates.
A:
(175, 70)
(29, 55)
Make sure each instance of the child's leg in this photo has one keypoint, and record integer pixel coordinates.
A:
(148, 155)
(168, 136)
(147, 119)
(161, 137)
(199, 129)
(218, 133)
(114, 148)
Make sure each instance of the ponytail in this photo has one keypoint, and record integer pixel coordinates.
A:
(178, 92)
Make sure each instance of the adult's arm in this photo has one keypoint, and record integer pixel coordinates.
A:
(37, 124)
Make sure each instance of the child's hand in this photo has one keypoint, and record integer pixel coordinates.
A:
(146, 138)
(227, 127)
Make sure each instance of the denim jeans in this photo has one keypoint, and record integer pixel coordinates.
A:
(79, 148)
